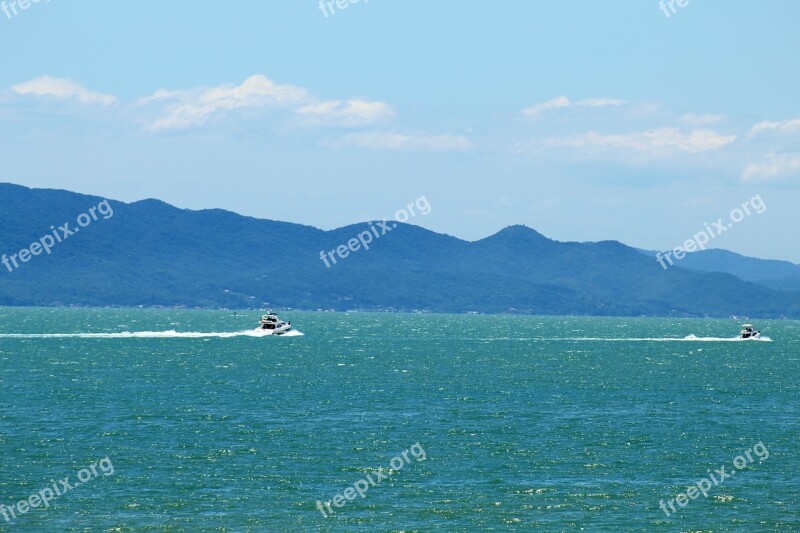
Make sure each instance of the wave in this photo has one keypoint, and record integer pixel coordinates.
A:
(171, 334)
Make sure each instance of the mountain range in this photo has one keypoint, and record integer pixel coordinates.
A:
(781, 275)
(149, 253)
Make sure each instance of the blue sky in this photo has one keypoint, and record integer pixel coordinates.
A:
(586, 120)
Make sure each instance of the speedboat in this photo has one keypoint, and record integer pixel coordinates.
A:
(271, 322)
(748, 332)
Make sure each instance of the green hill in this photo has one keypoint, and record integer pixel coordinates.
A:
(150, 253)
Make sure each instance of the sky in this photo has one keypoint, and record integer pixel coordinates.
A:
(585, 120)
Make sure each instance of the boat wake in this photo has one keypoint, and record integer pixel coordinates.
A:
(171, 334)
(727, 339)
(688, 338)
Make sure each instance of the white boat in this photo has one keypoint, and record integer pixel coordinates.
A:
(748, 332)
(271, 322)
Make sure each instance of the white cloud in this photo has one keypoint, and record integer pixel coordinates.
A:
(783, 126)
(701, 120)
(564, 102)
(659, 141)
(399, 141)
(600, 102)
(775, 166)
(160, 95)
(555, 103)
(347, 113)
(63, 89)
(191, 108)
(195, 107)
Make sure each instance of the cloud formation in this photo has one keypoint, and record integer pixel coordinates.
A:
(659, 141)
(190, 108)
(194, 107)
(773, 167)
(401, 142)
(63, 89)
(183, 109)
(780, 127)
(348, 113)
(562, 102)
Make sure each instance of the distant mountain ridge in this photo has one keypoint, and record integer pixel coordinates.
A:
(153, 254)
(781, 275)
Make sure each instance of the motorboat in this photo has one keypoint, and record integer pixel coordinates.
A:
(271, 322)
(748, 332)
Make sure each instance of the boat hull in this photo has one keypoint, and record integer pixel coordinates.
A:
(274, 325)
(278, 330)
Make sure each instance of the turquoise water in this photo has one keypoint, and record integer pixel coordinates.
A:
(526, 423)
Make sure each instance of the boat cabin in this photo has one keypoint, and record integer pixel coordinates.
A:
(748, 331)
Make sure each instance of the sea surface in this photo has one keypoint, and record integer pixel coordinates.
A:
(183, 420)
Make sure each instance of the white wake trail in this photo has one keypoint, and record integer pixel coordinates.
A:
(725, 339)
(170, 334)
(688, 338)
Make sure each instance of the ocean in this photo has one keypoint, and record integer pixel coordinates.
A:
(183, 420)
